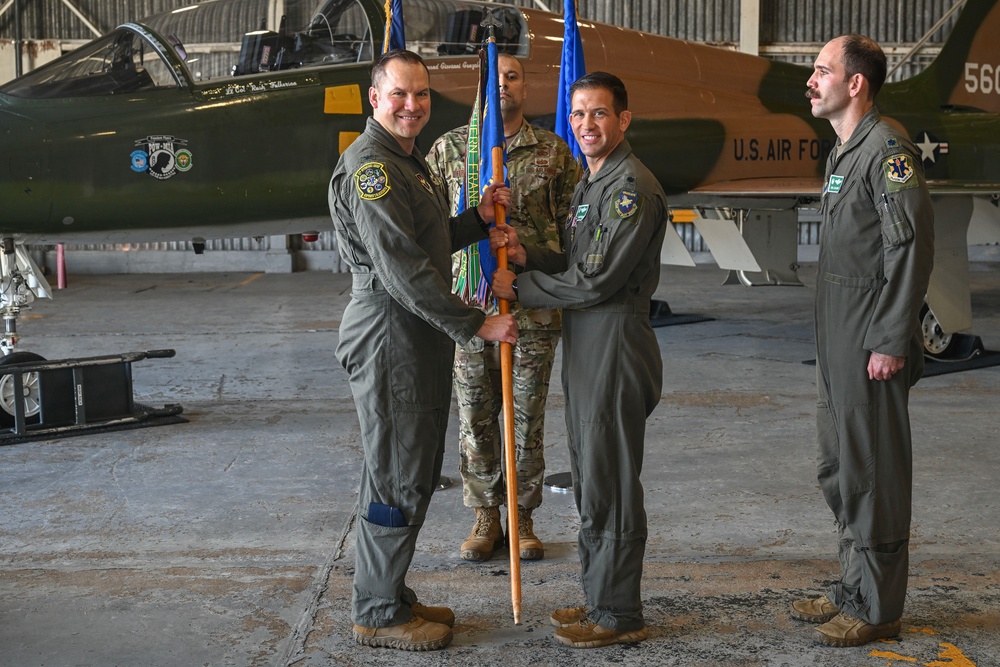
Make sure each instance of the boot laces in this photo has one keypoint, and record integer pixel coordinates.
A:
(484, 523)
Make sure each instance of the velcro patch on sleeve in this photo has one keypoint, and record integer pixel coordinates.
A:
(625, 204)
(899, 173)
(371, 181)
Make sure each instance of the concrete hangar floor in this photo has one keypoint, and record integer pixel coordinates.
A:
(228, 540)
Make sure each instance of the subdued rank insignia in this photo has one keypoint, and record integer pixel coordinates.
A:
(625, 204)
(423, 182)
(372, 181)
(891, 143)
(898, 172)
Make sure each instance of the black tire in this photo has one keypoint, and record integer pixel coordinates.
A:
(936, 342)
(32, 398)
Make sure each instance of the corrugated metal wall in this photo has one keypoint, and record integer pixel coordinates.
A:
(791, 30)
(52, 19)
(713, 21)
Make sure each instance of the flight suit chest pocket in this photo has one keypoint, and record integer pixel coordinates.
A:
(597, 249)
(838, 195)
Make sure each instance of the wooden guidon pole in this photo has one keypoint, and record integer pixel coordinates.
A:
(510, 443)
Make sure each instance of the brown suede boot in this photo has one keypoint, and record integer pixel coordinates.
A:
(563, 618)
(814, 610)
(417, 635)
(486, 536)
(845, 630)
(442, 615)
(587, 634)
(530, 547)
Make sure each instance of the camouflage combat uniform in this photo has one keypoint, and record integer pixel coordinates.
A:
(875, 259)
(612, 372)
(397, 341)
(542, 174)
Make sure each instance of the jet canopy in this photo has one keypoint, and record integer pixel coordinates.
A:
(216, 40)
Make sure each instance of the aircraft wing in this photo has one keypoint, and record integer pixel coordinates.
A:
(951, 188)
(763, 187)
(751, 193)
(809, 188)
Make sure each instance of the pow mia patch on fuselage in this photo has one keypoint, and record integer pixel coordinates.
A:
(899, 173)
(372, 181)
(625, 204)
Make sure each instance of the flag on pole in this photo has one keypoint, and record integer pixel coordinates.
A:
(485, 135)
(571, 68)
(395, 38)
(492, 147)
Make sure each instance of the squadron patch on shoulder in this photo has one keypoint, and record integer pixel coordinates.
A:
(899, 173)
(423, 181)
(372, 181)
(625, 204)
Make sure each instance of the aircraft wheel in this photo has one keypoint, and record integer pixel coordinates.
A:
(32, 394)
(936, 341)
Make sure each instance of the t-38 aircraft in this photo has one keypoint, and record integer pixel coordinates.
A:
(200, 124)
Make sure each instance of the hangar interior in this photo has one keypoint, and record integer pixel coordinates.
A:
(911, 33)
(229, 540)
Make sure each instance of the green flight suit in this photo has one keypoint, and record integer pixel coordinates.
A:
(612, 370)
(542, 175)
(876, 254)
(397, 342)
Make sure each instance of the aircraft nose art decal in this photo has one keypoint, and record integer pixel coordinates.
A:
(161, 156)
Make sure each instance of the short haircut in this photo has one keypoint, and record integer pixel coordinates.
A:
(520, 65)
(862, 55)
(378, 69)
(606, 81)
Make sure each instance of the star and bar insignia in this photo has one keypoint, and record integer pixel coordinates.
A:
(372, 181)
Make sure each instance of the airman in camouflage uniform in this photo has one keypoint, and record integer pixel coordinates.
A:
(542, 174)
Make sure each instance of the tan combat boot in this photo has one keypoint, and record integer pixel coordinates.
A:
(814, 610)
(417, 635)
(587, 634)
(845, 630)
(486, 535)
(530, 547)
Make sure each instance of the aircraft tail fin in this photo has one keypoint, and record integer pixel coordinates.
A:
(966, 74)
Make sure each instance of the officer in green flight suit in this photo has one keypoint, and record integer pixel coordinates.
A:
(876, 255)
(612, 370)
(397, 342)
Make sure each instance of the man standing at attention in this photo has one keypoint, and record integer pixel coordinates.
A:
(612, 370)
(542, 174)
(876, 254)
(397, 342)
